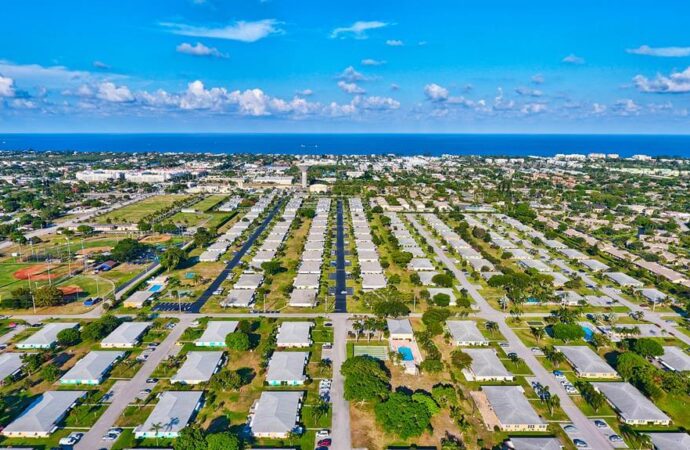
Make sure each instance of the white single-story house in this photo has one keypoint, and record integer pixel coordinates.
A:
(512, 409)
(400, 329)
(303, 298)
(486, 366)
(287, 368)
(275, 414)
(307, 281)
(586, 362)
(373, 281)
(126, 335)
(294, 334)
(46, 336)
(41, 418)
(92, 368)
(198, 368)
(632, 407)
(465, 333)
(172, 413)
(239, 298)
(215, 333)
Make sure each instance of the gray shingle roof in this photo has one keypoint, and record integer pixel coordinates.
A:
(93, 366)
(198, 367)
(630, 402)
(276, 412)
(511, 406)
(126, 333)
(485, 363)
(44, 413)
(585, 360)
(294, 333)
(217, 331)
(287, 366)
(173, 411)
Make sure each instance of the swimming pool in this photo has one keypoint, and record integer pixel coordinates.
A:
(406, 353)
(156, 288)
(588, 333)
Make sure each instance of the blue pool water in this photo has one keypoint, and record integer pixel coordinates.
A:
(588, 333)
(406, 353)
(155, 288)
(532, 300)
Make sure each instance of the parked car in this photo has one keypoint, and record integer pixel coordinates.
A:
(71, 439)
(323, 434)
(579, 443)
(324, 442)
(615, 438)
(600, 423)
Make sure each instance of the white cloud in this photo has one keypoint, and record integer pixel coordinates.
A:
(305, 92)
(350, 74)
(528, 92)
(573, 59)
(6, 87)
(100, 65)
(664, 52)
(358, 29)
(350, 88)
(394, 87)
(23, 103)
(501, 104)
(199, 50)
(436, 93)
(538, 79)
(626, 107)
(37, 75)
(373, 62)
(394, 43)
(111, 93)
(533, 108)
(376, 103)
(675, 83)
(598, 108)
(239, 31)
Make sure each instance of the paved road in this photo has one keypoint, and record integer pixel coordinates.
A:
(595, 439)
(237, 257)
(340, 274)
(127, 391)
(340, 430)
(650, 316)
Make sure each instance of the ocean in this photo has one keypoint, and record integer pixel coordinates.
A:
(399, 144)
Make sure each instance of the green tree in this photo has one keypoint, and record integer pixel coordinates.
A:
(272, 267)
(190, 438)
(441, 299)
(460, 360)
(48, 296)
(365, 379)
(84, 229)
(567, 331)
(647, 347)
(172, 257)
(202, 237)
(443, 280)
(238, 341)
(223, 441)
(69, 336)
(127, 250)
(393, 308)
(434, 319)
(50, 372)
(402, 415)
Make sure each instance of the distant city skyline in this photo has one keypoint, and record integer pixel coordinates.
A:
(305, 66)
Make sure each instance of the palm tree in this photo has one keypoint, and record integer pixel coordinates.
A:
(358, 327)
(156, 427)
(537, 332)
(319, 410)
(638, 439)
(323, 365)
(492, 327)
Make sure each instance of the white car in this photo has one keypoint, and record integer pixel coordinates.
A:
(71, 439)
(323, 434)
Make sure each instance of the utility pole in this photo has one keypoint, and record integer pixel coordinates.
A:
(69, 258)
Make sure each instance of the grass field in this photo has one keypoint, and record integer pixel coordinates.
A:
(208, 202)
(135, 212)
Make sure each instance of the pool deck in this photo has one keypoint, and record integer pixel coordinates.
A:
(395, 345)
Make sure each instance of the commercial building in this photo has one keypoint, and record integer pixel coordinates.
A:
(586, 362)
(126, 335)
(171, 414)
(512, 409)
(198, 368)
(138, 299)
(275, 415)
(486, 366)
(632, 407)
(465, 333)
(46, 336)
(215, 333)
(41, 418)
(92, 368)
(294, 334)
(287, 368)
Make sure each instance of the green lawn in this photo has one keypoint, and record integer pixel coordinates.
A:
(135, 212)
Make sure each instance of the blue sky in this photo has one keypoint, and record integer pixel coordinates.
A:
(355, 66)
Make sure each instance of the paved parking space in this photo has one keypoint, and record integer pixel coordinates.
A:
(607, 432)
(576, 435)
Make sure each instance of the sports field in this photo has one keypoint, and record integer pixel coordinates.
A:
(375, 351)
(136, 211)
